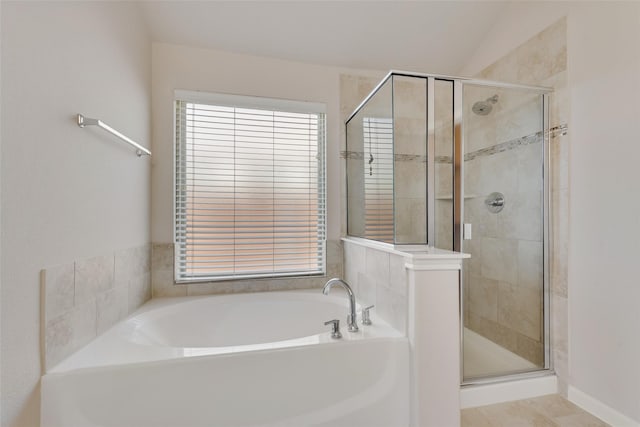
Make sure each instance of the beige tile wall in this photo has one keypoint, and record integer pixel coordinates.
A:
(163, 284)
(410, 167)
(82, 299)
(378, 278)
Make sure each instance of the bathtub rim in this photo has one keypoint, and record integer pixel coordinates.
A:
(79, 360)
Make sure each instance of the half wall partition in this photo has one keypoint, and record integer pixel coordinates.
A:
(462, 164)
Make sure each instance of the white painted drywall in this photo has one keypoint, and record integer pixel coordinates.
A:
(67, 193)
(604, 70)
(604, 287)
(179, 67)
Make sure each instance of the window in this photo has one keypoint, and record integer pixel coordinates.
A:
(250, 187)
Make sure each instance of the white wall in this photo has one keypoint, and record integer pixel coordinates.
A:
(603, 66)
(604, 291)
(67, 193)
(180, 67)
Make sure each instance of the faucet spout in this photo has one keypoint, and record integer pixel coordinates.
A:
(351, 317)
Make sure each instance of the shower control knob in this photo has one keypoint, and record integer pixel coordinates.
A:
(494, 202)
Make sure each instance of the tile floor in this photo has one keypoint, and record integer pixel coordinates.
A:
(544, 411)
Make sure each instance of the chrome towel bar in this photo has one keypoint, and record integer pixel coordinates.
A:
(85, 121)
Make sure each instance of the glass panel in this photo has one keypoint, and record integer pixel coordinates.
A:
(370, 168)
(444, 164)
(503, 288)
(410, 159)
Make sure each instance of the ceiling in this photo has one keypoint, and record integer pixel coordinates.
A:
(428, 36)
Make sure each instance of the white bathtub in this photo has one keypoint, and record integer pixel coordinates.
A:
(240, 360)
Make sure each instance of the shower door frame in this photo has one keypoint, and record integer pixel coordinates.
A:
(458, 225)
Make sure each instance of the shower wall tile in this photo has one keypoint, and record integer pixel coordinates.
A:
(530, 264)
(537, 59)
(410, 98)
(559, 341)
(82, 299)
(499, 173)
(444, 181)
(406, 185)
(494, 331)
(410, 220)
(520, 309)
(444, 226)
(495, 263)
(560, 242)
(530, 349)
(485, 223)
(483, 296)
(521, 217)
(529, 168)
(559, 104)
(526, 109)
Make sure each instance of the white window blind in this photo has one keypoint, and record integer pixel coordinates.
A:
(378, 178)
(250, 191)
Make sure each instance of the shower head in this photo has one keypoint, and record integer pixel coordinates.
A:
(483, 108)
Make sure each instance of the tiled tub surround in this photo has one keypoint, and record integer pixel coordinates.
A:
(378, 278)
(163, 283)
(82, 299)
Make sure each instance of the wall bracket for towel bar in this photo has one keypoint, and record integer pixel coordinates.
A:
(86, 121)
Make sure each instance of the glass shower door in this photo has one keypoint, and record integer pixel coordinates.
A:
(504, 231)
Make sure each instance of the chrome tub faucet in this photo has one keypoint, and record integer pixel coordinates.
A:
(351, 317)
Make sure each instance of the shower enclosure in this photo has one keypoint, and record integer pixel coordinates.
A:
(462, 164)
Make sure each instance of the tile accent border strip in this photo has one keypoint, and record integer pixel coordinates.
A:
(554, 132)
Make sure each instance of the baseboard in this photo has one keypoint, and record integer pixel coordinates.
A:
(487, 394)
(600, 410)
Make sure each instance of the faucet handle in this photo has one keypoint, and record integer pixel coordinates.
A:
(366, 320)
(335, 328)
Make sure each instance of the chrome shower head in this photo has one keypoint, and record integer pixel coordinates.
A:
(483, 108)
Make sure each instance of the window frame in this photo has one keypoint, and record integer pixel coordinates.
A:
(261, 103)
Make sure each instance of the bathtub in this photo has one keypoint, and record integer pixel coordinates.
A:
(262, 359)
